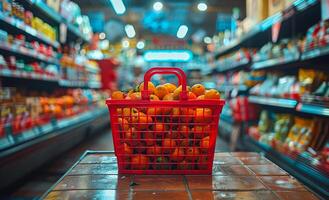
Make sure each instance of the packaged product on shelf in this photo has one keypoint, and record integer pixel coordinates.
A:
(264, 123)
(300, 135)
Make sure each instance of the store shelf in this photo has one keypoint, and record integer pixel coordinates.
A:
(306, 173)
(301, 10)
(27, 75)
(277, 102)
(23, 51)
(76, 32)
(233, 66)
(313, 109)
(27, 30)
(51, 13)
(67, 83)
(14, 143)
(315, 53)
(240, 88)
(275, 62)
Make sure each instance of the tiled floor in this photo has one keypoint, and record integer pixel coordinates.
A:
(37, 183)
(95, 177)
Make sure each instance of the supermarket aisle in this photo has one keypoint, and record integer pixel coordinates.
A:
(38, 182)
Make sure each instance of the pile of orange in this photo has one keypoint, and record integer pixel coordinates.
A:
(166, 138)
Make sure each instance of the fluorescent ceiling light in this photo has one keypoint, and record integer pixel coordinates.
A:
(125, 44)
(102, 36)
(202, 6)
(207, 40)
(168, 55)
(157, 6)
(118, 6)
(182, 31)
(140, 45)
(130, 31)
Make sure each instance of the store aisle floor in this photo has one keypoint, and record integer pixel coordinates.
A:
(37, 183)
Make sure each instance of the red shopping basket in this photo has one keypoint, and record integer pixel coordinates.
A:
(164, 137)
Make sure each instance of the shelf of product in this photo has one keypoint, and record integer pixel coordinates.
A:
(259, 34)
(28, 114)
(301, 143)
(271, 55)
(235, 60)
(313, 109)
(283, 103)
(28, 52)
(294, 136)
(30, 25)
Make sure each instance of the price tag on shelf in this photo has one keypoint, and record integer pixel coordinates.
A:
(63, 33)
(276, 31)
(324, 9)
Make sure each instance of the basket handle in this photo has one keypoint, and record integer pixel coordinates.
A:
(165, 70)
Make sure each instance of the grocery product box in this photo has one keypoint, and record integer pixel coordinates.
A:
(257, 10)
(54, 4)
(275, 6)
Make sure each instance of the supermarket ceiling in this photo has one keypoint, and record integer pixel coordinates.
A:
(149, 20)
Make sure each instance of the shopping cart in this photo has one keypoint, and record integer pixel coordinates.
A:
(164, 137)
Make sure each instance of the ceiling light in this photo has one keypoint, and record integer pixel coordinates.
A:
(140, 45)
(168, 55)
(202, 7)
(182, 31)
(157, 6)
(207, 40)
(118, 6)
(102, 36)
(130, 31)
(125, 44)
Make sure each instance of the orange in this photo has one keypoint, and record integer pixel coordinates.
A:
(184, 165)
(178, 91)
(161, 91)
(131, 136)
(151, 87)
(127, 149)
(203, 115)
(160, 129)
(154, 97)
(192, 154)
(168, 145)
(204, 144)
(123, 124)
(139, 162)
(141, 120)
(177, 155)
(187, 113)
(128, 113)
(212, 94)
(135, 96)
(201, 131)
(149, 138)
(153, 150)
(170, 87)
(184, 131)
(201, 97)
(191, 95)
(198, 89)
(175, 112)
(168, 97)
(117, 95)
